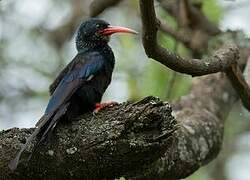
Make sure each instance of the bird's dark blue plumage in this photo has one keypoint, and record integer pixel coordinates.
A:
(85, 67)
(82, 83)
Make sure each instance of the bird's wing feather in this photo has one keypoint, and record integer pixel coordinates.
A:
(60, 76)
(79, 73)
(83, 68)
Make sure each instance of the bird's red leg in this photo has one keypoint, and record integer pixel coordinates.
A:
(100, 106)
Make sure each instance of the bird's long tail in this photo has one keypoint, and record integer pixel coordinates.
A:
(44, 127)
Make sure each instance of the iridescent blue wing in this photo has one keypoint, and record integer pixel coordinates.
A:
(61, 75)
(79, 71)
(85, 67)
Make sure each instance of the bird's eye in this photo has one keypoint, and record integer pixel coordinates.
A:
(98, 25)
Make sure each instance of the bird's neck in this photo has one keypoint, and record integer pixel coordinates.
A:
(102, 48)
(83, 46)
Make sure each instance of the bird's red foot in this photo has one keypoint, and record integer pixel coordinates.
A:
(100, 106)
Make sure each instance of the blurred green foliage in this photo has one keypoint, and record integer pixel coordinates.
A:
(212, 10)
(25, 47)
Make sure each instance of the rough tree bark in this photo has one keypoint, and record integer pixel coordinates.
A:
(135, 140)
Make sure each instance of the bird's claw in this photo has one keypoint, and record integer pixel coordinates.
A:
(100, 106)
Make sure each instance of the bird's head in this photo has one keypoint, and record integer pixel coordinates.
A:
(95, 32)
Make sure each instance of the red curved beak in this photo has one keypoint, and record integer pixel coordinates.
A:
(116, 29)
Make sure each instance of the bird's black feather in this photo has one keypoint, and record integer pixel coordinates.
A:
(79, 86)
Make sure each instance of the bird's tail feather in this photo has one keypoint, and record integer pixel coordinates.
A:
(13, 163)
(45, 125)
(52, 124)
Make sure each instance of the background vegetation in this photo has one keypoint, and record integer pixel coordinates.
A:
(37, 41)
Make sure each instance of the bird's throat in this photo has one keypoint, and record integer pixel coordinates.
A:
(83, 46)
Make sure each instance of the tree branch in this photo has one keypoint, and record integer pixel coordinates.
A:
(116, 142)
(240, 85)
(135, 140)
(184, 38)
(98, 6)
(247, 71)
(196, 18)
(222, 60)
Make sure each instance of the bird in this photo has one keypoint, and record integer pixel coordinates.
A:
(79, 87)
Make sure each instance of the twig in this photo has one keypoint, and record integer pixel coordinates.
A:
(184, 38)
(240, 85)
(175, 49)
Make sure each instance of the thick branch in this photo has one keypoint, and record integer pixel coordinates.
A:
(136, 140)
(200, 119)
(119, 141)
